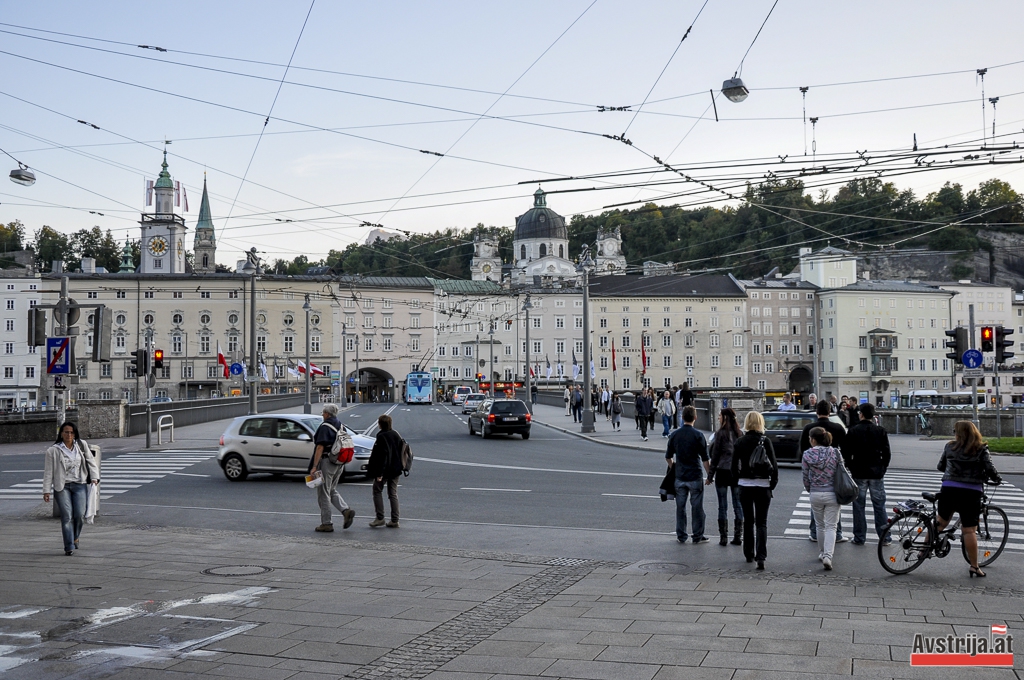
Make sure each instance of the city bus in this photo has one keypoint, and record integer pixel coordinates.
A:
(419, 388)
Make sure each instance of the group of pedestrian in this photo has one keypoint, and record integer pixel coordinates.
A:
(667, 405)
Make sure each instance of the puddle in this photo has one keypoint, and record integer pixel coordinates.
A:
(21, 613)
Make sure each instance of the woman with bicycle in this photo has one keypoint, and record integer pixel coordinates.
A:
(967, 465)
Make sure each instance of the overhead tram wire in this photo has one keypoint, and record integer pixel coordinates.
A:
(493, 104)
(266, 120)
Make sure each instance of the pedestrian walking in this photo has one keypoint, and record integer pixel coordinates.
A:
(684, 397)
(721, 474)
(966, 465)
(567, 396)
(577, 405)
(667, 410)
(756, 479)
(838, 433)
(68, 469)
(533, 393)
(385, 467)
(606, 401)
(867, 454)
(616, 407)
(595, 399)
(688, 453)
(644, 409)
(787, 403)
(327, 493)
(819, 464)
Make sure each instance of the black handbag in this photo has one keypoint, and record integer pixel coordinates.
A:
(759, 461)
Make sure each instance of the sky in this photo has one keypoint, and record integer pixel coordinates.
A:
(508, 91)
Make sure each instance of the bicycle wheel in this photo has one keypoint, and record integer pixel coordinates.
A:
(911, 543)
(993, 530)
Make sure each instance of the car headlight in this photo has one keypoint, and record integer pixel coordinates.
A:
(362, 451)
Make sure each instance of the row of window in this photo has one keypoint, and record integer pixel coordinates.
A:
(30, 372)
(892, 364)
(783, 295)
(911, 303)
(386, 321)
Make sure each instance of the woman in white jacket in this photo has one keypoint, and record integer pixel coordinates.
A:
(70, 467)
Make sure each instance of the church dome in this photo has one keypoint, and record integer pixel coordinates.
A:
(540, 221)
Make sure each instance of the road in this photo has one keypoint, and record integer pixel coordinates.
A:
(554, 494)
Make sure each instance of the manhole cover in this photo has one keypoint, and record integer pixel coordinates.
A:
(671, 567)
(238, 570)
(90, 588)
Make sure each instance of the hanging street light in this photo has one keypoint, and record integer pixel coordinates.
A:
(734, 89)
(23, 176)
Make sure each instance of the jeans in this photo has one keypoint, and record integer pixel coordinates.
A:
(378, 497)
(577, 413)
(695, 491)
(825, 510)
(860, 520)
(755, 501)
(666, 421)
(71, 503)
(724, 482)
(327, 493)
(814, 529)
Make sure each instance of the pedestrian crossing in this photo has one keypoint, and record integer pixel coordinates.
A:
(901, 485)
(122, 473)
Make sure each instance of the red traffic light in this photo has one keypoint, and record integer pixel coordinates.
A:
(158, 355)
(988, 335)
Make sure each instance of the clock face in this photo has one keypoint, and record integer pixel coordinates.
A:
(486, 268)
(157, 245)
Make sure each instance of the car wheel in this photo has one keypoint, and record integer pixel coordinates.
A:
(234, 468)
(471, 430)
(485, 432)
(526, 435)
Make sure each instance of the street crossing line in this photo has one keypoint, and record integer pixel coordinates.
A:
(908, 485)
(122, 473)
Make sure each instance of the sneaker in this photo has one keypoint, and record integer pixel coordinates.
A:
(702, 539)
(325, 528)
(821, 556)
(643, 438)
(392, 525)
(886, 541)
(856, 542)
(377, 523)
(828, 563)
(681, 540)
(349, 515)
(812, 538)
(841, 539)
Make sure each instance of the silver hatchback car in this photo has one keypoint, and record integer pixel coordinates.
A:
(279, 444)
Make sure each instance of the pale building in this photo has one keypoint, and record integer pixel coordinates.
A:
(21, 373)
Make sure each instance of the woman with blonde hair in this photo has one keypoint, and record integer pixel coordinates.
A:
(966, 466)
(756, 477)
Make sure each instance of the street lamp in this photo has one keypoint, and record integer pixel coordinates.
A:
(307, 407)
(23, 176)
(585, 266)
(344, 364)
(734, 89)
(251, 269)
(491, 348)
(527, 306)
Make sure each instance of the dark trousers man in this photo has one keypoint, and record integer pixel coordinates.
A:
(643, 421)
(755, 501)
(860, 520)
(577, 412)
(694, 492)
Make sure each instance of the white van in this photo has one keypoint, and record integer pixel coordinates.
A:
(460, 394)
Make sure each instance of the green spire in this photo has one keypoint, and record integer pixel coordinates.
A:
(205, 220)
(127, 262)
(164, 181)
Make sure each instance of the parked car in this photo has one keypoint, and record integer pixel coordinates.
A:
(161, 400)
(783, 428)
(460, 394)
(472, 401)
(279, 444)
(500, 416)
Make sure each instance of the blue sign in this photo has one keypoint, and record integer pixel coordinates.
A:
(236, 369)
(972, 358)
(58, 356)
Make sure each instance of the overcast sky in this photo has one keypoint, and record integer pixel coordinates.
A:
(558, 61)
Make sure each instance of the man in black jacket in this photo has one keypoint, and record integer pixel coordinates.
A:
(385, 467)
(838, 432)
(644, 406)
(688, 453)
(868, 455)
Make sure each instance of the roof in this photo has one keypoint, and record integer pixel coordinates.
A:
(699, 285)
(829, 251)
(205, 220)
(387, 281)
(464, 286)
(540, 221)
(164, 180)
(777, 283)
(883, 286)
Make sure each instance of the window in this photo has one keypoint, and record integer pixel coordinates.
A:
(737, 340)
(204, 295)
(204, 344)
(715, 361)
(204, 319)
(8, 348)
(625, 322)
(688, 361)
(755, 368)
(350, 343)
(713, 339)
(666, 361)
(625, 341)
(148, 319)
(261, 343)
(538, 346)
(121, 295)
(9, 372)
(30, 371)
(604, 362)
(368, 344)
(119, 343)
(288, 320)
(367, 321)
(666, 341)
(261, 319)
(666, 322)
(232, 294)
(646, 323)
(176, 344)
(559, 322)
(177, 319)
(863, 364)
(414, 344)
(232, 343)
(105, 371)
(508, 351)
(714, 381)
(560, 345)
(232, 318)
(314, 343)
(603, 323)
(738, 381)
(10, 325)
(289, 343)
(577, 321)
(148, 294)
(625, 383)
(626, 362)
(367, 303)
(737, 360)
(536, 322)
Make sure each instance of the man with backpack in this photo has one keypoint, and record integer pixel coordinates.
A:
(868, 455)
(388, 460)
(330, 443)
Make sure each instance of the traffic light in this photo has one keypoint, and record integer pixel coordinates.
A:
(1002, 343)
(101, 323)
(959, 344)
(988, 335)
(158, 359)
(141, 362)
(479, 377)
(36, 327)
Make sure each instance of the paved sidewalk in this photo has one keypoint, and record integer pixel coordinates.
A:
(910, 452)
(143, 602)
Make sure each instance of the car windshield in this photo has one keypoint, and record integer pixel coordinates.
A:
(787, 420)
(312, 423)
(514, 407)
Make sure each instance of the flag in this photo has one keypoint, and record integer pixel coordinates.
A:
(315, 370)
(575, 366)
(593, 373)
(999, 630)
(531, 372)
(561, 369)
(184, 198)
(643, 356)
(548, 362)
(245, 373)
(614, 367)
(177, 194)
(149, 192)
(222, 361)
(263, 372)
(292, 372)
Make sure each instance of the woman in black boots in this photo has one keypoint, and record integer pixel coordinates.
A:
(721, 474)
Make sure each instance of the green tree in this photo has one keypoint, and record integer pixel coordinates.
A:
(12, 235)
(51, 245)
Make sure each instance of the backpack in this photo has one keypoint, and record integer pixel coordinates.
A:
(616, 407)
(343, 448)
(406, 458)
(760, 464)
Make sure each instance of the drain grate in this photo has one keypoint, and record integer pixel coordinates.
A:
(90, 588)
(566, 562)
(238, 570)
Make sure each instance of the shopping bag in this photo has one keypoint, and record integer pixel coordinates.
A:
(92, 502)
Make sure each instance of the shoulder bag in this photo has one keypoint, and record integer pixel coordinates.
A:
(842, 483)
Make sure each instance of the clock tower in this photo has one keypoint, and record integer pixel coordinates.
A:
(163, 232)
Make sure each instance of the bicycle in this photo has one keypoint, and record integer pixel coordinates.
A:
(916, 538)
(924, 424)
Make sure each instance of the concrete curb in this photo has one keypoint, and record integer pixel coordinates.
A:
(596, 440)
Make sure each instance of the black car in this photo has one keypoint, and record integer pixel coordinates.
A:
(783, 429)
(501, 416)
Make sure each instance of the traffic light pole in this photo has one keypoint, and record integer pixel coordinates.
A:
(149, 394)
(974, 381)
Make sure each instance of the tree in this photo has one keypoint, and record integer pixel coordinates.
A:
(11, 236)
(51, 245)
(95, 244)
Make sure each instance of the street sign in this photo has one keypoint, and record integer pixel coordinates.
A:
(335, 375)
(58, 382)
(236, 369)
(974, 372)
(58, 356)
(972, 358)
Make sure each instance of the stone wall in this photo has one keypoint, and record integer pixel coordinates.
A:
(102, 418)
(40, 426)
(904, 421)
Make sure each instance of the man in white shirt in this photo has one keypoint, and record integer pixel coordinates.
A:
(787, 403)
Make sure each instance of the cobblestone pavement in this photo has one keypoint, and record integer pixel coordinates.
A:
(143, 602)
